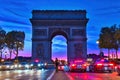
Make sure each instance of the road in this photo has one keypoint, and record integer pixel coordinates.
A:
(25, 74)
(60, 75)
(85, 76)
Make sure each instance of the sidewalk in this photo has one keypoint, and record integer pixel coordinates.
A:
(60, 75)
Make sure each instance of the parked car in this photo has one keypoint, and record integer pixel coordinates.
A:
(78, 65)
(103, 65)
(6, 66)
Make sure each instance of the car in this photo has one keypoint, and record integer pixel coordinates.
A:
(24, 65)
(16, 66)
(78, 65)
(38, 65)
(6, 66)
(102, 65)
(61, 66)
(66, 68)
(118, 69)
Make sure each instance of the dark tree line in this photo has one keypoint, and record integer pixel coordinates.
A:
(109, 38)
(13, 40)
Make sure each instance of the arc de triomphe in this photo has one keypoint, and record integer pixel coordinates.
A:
(46, 24)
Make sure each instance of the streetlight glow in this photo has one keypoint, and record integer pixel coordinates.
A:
(97, 42)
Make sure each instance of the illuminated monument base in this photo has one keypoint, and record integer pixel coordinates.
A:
(46, 24)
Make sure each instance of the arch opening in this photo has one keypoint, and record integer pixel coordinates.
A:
(59, 47)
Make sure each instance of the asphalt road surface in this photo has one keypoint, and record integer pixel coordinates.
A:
(60, 75)
(25, 74)
(85, 76)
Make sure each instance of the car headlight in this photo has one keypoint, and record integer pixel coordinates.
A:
(27, 65)
(12, 66)
(20, 65)
(31, 65)
(45, 64)
(39, 65)
(15, 65)
(7, 66)
(42, 64)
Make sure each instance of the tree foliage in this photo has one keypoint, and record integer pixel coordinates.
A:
(109, 38)
(15, 41)
(2, 40)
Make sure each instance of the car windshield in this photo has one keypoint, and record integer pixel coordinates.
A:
(103, 61)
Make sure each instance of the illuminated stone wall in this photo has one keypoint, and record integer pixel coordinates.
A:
(48, 23)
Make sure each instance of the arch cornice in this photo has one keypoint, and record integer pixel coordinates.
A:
(80, 22)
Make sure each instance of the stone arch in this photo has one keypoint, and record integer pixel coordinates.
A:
(59, 32)
(48, 23)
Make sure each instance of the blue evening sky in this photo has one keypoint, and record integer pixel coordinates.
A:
(15, 15)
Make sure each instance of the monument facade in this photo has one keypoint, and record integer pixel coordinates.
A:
(46, 24)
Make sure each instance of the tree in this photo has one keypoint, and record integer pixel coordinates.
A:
(110, 38)
(117, 40)
(19, 41)
(15, 41)
(117, 35)
(2, 40)
(105, 39)
(10, 42)
(114, 40)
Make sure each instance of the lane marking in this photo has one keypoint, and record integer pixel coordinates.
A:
(49, 78)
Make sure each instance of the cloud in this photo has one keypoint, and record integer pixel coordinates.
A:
(92, 33)
(60, 45)
(28, 40)
(20, 12)
(13, 20)
(59, 38)
(94, 44)
(110, 10)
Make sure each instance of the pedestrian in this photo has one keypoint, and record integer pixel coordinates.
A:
(56, 64)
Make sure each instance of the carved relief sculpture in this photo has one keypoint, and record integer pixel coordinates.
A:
(78, 50)
(40, 51)
(78, 32)
(40, 32)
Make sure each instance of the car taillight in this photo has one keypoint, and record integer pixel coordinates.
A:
(73, 65)
(111, 64)
(99, 64)
(85, 65)
(58, 67)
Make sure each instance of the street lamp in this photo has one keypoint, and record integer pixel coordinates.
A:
(98, 44)
(97, 41)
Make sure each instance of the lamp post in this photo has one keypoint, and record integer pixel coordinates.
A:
(98, 44)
